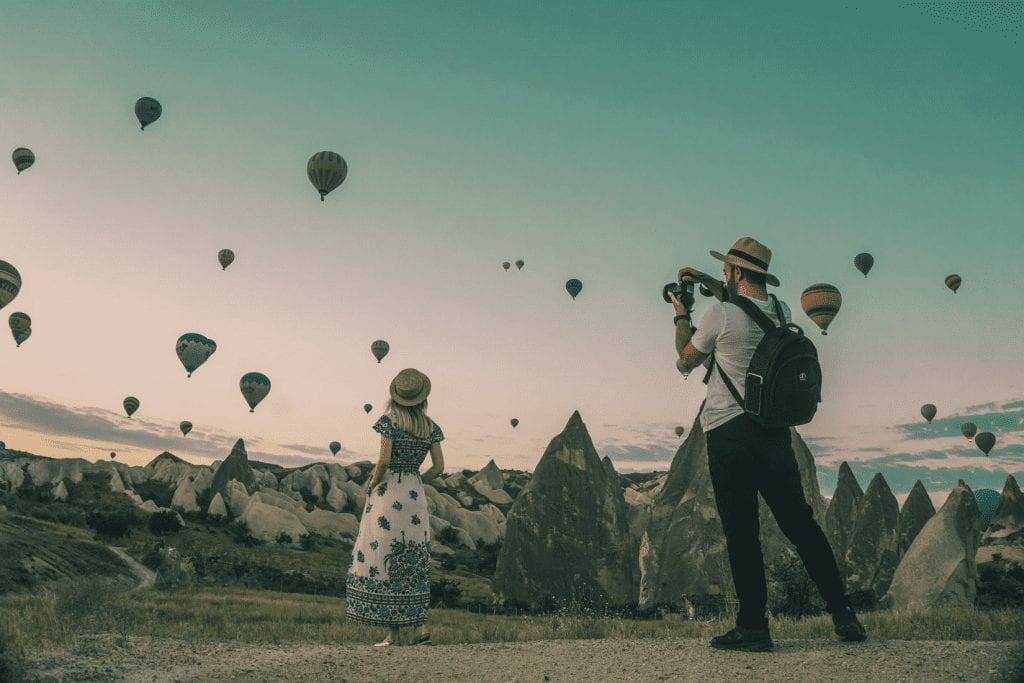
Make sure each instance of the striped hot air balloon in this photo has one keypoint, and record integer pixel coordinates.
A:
(20, 337)
(147, 110)
(10, 283)
(821, 303)
(988, 503)
(326, 170)
(335, 447)
(379, 349)
(969, 429)
(23, 158)
(255, 386)
(21, 326)
(185, 427)
(953, 282)
(367, 408)
(131, 404)
(928, 411)
(574, 287)
(985, 441)
(226, 257)
(193, 350)
(863, 262)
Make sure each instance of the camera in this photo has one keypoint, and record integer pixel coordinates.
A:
(683, 292)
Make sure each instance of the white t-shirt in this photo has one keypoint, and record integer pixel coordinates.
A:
(733, 335)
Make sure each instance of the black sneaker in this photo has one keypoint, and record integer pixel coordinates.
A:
(847, 627)
(746, 639)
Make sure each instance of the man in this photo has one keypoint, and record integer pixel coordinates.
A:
(745, 457)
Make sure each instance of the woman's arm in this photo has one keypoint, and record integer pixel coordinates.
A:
(382, 463)
(436, 462)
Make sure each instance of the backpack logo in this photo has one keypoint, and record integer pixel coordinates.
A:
(803, 376)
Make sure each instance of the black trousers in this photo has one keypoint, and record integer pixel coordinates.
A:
(745, 458)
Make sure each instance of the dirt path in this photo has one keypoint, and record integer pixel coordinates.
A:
(147, 576)
(110, 657)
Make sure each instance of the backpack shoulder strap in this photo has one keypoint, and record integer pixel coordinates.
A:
(748, 307)
(778, 310)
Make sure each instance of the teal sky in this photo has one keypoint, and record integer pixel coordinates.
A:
(613, 142)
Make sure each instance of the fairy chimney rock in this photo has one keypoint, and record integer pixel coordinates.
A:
(567, 535)
(237, 468)
(939, 568)
(917, 510)
(873, 549)
(842, 511)
(490, 476)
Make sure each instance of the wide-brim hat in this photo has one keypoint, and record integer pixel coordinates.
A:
(410, 387)
(749, 254)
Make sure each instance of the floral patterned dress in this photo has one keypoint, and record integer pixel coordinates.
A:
(389, 579)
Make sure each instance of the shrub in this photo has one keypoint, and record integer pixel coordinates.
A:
(157, 491)
(284, 539)
(790, 589)
(449, 536)
(445, 592)
(112, 524)
(306, 542)
(164, 522)
(241, 534)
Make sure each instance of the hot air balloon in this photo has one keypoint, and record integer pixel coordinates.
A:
(679, 430)
(23, 158)
(10, 283)
(326, 170)
(985, 441)
(225, 257)
(520, 263)
(367, 407)
(821, 303)
(113, 455)
(515, 422)
(379, 349)
(21, 326)
(335, 447)
(20, 337)
(574, 287)
(968, 429)
(863, 262)
(147, 110)
(928, 411)
(3, 446)
(193, 350)
(131, 404)
(506, 265)
(255, 386)
(988, 503)
(953, 282)
(185, 427)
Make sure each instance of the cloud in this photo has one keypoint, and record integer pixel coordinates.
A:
(650, 453)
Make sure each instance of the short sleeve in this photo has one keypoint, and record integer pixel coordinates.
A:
(711, 325)
(384, 426)
(436, 434)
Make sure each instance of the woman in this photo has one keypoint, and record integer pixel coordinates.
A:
(389, 578)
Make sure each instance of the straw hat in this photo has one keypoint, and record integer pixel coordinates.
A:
(749, 254)
(410, 387)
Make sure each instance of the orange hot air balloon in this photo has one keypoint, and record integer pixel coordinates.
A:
(953, 282)
(985, 441)
(821, 303)
(928, 411)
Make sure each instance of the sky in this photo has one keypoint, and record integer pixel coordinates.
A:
(610, 142)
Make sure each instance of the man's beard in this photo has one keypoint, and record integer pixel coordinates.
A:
(730, 287)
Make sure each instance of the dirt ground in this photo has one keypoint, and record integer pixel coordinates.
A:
(111, 657)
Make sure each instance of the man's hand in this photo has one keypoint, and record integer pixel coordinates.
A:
(677, 304)
(715, 286)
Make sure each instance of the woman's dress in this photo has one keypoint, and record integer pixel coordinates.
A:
(389, 579)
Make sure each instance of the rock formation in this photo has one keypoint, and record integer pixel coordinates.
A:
(939, 567)
(917, 510)
(235, 468)
(842, 512)
(872, 552)
(683, 557)
(1000, 557)
(567, 534)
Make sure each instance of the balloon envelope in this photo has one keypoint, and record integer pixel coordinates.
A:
(515, 422)
(985, 441)
(506, 265)
(10, 283)
(520, 263)
(185, 427)
(379, 349)
(23, 158)
(19, 321)
(367, 407)
(335, 447)
(193, 350)
(21, 336)
(131, 404)
(113, 455)
(968, 429)
(574, 287)
(326, 170)
(863, 262)
(147, 110)
(821, 303)
(679, 430)
(928, 411)
(988, 502)
(953, 282)
(255, 386)
(3, 446)
(225, 257)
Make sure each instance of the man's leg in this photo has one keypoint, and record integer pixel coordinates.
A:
(729, 460)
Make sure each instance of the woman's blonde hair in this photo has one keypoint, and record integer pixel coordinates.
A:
(411, 419)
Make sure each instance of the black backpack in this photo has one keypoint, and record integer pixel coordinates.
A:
(783, 384)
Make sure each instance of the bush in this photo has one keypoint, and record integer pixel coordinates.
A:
(445, 592)
(284, 539)
(791, 591)
(306, 542)
(157, 491)
(111, 524)
(241, 534)
(449, 537)
(165, 522)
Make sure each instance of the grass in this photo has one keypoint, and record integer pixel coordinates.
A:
(258, 617)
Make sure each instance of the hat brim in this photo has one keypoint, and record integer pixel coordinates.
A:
(732, 260)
